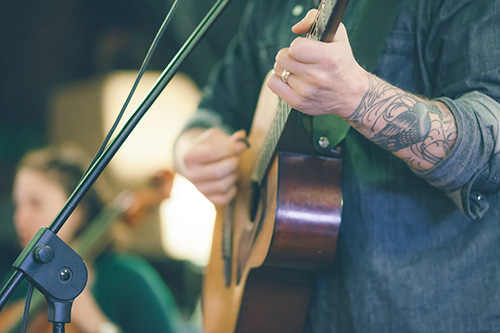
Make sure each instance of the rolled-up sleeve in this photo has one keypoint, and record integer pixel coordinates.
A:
(461, 61)
(471, 172)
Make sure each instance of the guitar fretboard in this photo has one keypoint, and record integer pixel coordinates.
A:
(326, 16)
(270, 142)
(325, 11)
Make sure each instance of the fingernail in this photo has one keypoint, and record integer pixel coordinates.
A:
(245, 141)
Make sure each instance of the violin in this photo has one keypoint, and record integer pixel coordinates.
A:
(128, 207)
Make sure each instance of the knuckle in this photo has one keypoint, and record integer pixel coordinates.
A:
(300, 46)
(226, 185)
(222, 198)
(281, 55)
(294, 102)
(307, 90)
(321, 80)
(219, 174)
(331, 61)
(190, 159)
(295, 47)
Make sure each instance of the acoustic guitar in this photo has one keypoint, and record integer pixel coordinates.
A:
(281, 229)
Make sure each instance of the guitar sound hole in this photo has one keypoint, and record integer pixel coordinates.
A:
(254, 203)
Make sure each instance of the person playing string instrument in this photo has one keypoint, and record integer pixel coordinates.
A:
(123, 293)
(419, 238)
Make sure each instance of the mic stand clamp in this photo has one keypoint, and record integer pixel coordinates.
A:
(57, 271)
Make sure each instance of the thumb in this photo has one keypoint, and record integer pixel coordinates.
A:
(304, 25)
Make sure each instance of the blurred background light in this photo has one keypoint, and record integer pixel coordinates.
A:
(85, 111)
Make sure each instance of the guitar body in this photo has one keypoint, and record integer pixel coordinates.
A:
(282, 231)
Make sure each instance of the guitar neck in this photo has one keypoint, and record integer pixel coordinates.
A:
(328, 18)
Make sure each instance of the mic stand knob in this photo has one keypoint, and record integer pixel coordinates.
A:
(57, 271)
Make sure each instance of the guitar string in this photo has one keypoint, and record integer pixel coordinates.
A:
(283, 111)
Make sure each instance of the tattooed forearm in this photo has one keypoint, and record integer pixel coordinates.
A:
(420, 131)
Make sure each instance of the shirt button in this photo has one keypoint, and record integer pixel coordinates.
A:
(297, 10)
(323, 142)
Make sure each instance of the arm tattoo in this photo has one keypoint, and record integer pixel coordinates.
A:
(402, 122)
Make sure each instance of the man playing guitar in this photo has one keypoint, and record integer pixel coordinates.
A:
(419, 238)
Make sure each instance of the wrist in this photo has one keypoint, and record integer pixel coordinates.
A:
(361, 84)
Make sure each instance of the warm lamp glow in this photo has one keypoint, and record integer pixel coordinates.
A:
(148, 148)
(188, 221)
(84, 113)
(187, 216)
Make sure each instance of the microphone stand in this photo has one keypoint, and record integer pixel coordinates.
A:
(47, 251)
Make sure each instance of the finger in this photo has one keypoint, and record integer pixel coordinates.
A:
(307, 51)
(285, 91)
(240, 138)
(285, 61)
(311, 51)
(300, 79)
(218, 187)
(301, 53)
(213, 171)
(279, 71)
(304, 25)
(222, 198)
(212, 146)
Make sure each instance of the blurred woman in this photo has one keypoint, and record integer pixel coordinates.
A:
(124, 293)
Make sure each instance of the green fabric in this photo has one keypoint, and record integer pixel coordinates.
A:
(133, 295)
(130, 292)
(370, 16)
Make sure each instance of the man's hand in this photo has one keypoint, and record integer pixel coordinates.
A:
(209, 158)
(324, 77)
